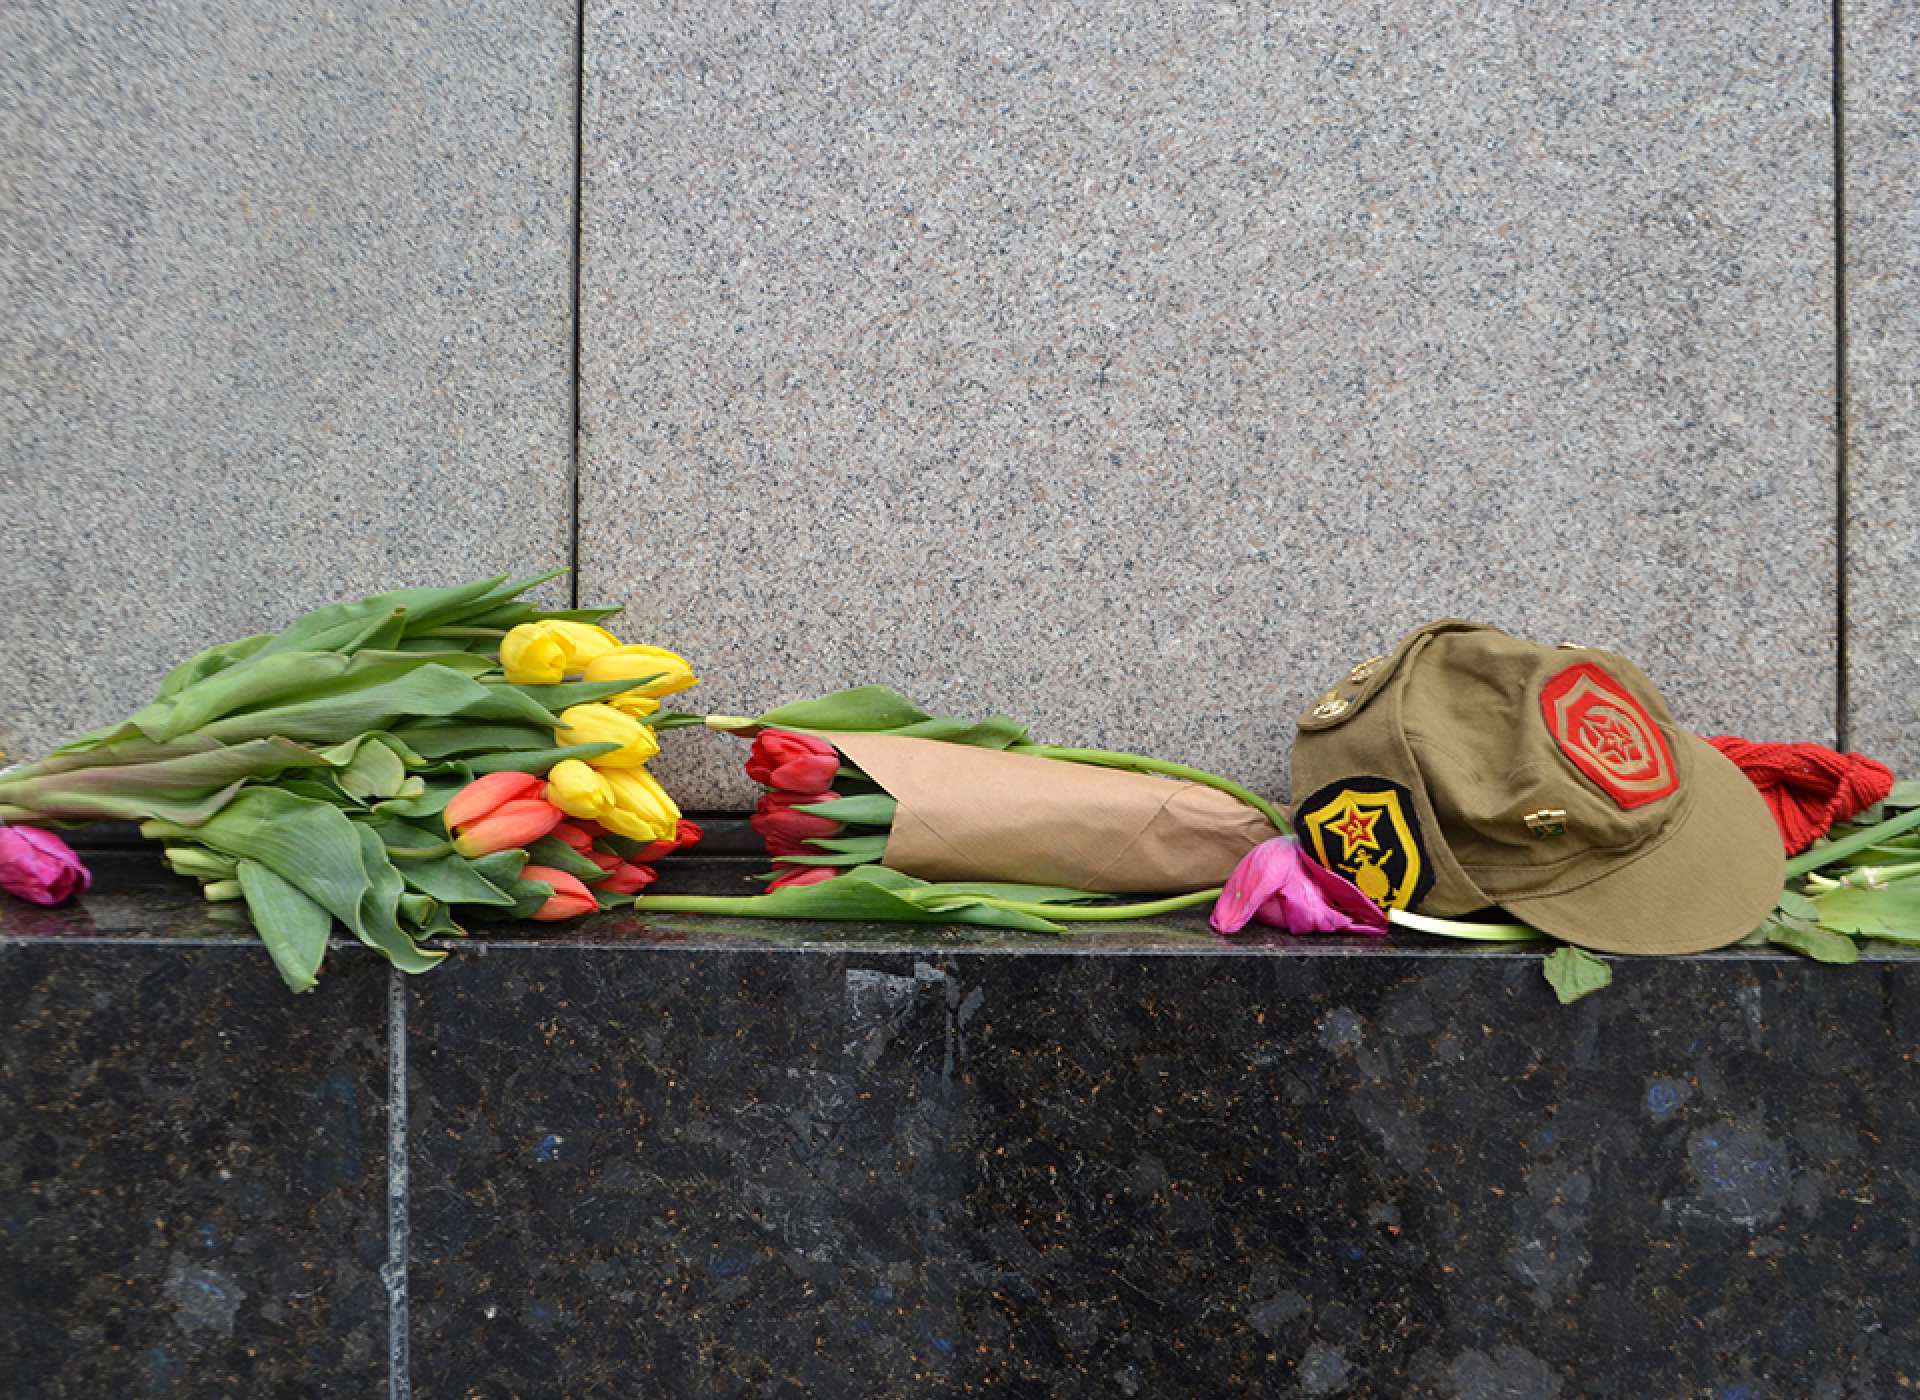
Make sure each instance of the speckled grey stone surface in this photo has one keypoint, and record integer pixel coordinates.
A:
(284, 317)
(1137, 368)
(1883, 370)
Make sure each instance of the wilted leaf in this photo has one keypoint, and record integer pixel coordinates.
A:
(1574, 973)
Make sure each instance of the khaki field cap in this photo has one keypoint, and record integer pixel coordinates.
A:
(1470, 769)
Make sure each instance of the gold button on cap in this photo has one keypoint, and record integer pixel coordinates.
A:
(1364, 669)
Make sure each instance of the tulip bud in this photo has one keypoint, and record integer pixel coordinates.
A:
(547, 652)
(671, 673)
(576, 837)
(579, 790)
(221, 891)
(626, 878)
(602, 724)
(800, 875)
(792, 762)
(570, 898)
(510, 825)
(483, 795)
(38, 866)
(531, 655)
(686, 834)
(775, 819)
(642, 810)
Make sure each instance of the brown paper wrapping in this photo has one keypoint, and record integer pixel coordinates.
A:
(983, 814)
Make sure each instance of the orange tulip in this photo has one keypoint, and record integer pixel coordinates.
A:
(483, 795)
(509, 825)
(570, 898)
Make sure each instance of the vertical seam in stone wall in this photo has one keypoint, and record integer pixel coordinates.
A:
(573, 365)
(1840, 415)
(399, 1224)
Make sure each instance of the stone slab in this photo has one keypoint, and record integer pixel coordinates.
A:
(284, 317)
(839, 1171)
(1137, 368)
(193, 1199)
(1882, 97)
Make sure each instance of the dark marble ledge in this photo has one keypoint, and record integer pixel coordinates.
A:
(137, 901)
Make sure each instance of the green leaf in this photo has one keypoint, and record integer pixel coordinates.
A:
(536, 761)
(869, 809)
(867, 893)
(1815, 942)
(394, 695)
(212, 660)
(556, 854)
(1891, 912)
(871, 846)
(376, 770)
(438, 739)
(1798, 906)
(552, 699)
(501, 868)
(864, 709)
(293, 927)
(1904, 795)
(1574, 973)
(453, 879)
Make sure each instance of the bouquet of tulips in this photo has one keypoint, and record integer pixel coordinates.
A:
(390, 764)
(876, 809)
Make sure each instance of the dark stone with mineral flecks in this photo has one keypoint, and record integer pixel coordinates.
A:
(661, 1169)
(193, 1196)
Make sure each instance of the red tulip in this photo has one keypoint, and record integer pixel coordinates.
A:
(688, 834)
(792, 762)
(627, 878)
(509, 825)
(777, 822)
(1276, 884)
(801, 875)
(575, 835)
(570, 897)
(38, 866)
(484, 795)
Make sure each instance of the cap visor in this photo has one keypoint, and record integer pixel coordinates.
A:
(1709, 884)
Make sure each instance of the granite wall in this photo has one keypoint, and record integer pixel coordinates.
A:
(1134, 368)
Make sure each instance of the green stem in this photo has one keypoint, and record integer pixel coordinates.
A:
(1139, 763)
(740, 906)
(1102, 913)
(1461, 928)
(1867, 877)
(1846, 846)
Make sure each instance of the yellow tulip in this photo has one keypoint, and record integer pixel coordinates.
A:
(578, 790)
(533, 656)
(671, 671)
(602, 724)
(642, 809)
(584, 642)
(547, 652)
(632, 702)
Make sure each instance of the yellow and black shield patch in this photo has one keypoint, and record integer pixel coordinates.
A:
(1367, 830)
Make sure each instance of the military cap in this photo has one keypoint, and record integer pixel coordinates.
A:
(1468, 769)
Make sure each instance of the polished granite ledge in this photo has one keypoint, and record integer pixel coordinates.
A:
(828, 1160)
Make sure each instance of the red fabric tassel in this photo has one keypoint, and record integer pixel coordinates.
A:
(1808, 787)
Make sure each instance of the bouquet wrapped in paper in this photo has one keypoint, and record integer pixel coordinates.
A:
(875, 809)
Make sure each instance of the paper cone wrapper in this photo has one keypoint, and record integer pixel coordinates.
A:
(969, 813)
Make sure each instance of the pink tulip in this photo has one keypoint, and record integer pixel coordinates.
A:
(36, 865)
(570, 897)
(509, 825)
(792, 762)
(801, 875)
(484, 795)
(1276, 884)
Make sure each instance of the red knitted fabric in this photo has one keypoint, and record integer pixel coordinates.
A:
(1808, 787)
